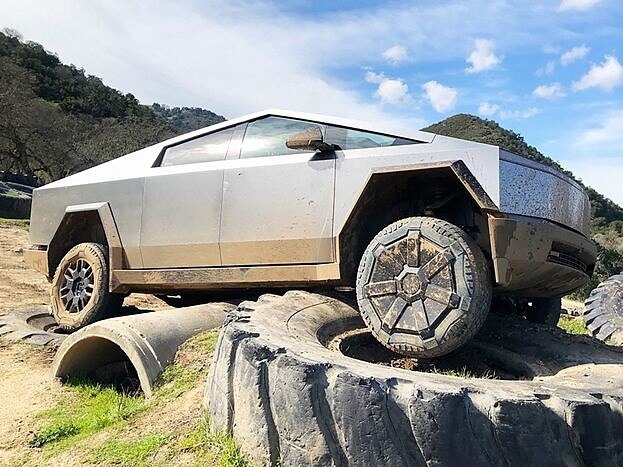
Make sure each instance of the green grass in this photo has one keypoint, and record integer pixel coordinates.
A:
(56, 431)
(178, 377)
(23, 224)
(12, 193)
(210, 448)
(573, 326)
(129, 453)
(91, 408)
(463, 373)
(116, 417)
(204, 342)
(175, 381)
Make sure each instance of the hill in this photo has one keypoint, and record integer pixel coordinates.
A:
(187, 119)
(607, 216)
(56, 120)
(606, 213)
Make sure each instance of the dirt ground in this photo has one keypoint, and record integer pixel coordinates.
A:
(26, 387)
(21, 287)
(25, 369)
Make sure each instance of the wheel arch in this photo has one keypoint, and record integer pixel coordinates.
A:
(81, 223)
(393, 193)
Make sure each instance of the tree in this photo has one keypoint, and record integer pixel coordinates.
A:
(36, 138)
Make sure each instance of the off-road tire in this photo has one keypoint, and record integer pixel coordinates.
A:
(101, 302)
(423, 287)
(603, 310)
(544, 311)
(288, 399)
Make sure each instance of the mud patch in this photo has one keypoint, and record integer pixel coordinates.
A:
(468, 362)
(507, 348)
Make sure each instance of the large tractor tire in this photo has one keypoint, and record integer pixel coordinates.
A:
(79, 293)
(289, 397)
(603, 310)
(423, 287)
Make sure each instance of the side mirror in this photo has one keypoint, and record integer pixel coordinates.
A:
(309, 140)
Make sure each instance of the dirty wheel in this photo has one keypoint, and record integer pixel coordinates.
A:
(79, 294)
(423, 287)
(543, 310)
(603, 310)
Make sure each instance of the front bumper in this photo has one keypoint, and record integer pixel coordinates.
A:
(536, 258)
(37, 260)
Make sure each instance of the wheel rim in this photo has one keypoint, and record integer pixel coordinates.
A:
(411, 287)
(77, 286)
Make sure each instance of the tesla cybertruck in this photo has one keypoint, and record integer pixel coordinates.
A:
(426, 228)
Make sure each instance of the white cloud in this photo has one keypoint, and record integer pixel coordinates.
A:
(442, 98)
(607, 76)
(576, 53)
(239, 56)
(487, 110)
(374, 78)
(550, 49)
(579, 5)
(604, 173)
(596, 154)
(548, 69)
(551, 91)
(609, 130)
(482, 57)
(516, 114)
(396, 54)
(390, 90)
(84, 31)
(230, 57)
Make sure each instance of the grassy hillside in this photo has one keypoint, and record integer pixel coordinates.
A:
(56, 120)
(606, 213)
(607, 216)
(187, 119)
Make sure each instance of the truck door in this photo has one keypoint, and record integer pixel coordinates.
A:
(277, 202)
(182, 203)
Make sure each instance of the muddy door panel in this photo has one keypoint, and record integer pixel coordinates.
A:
(278, 210)
(181, 216)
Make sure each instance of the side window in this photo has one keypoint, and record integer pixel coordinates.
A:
(208, 148)
(267, 136)
(347, 138)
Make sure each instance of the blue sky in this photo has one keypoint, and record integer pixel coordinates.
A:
(550, 70)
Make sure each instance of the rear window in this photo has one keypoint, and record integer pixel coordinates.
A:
(208, 148)
(347, 138)
(267, 137)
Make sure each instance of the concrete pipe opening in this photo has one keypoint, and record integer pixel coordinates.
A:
(133, 351)
(103, 361)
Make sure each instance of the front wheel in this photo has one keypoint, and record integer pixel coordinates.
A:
(423, 287)
(79, 294)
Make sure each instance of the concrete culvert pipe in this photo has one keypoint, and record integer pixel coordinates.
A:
(144, 343)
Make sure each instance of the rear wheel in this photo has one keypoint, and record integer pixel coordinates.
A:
(79, 294)
(423, 287)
